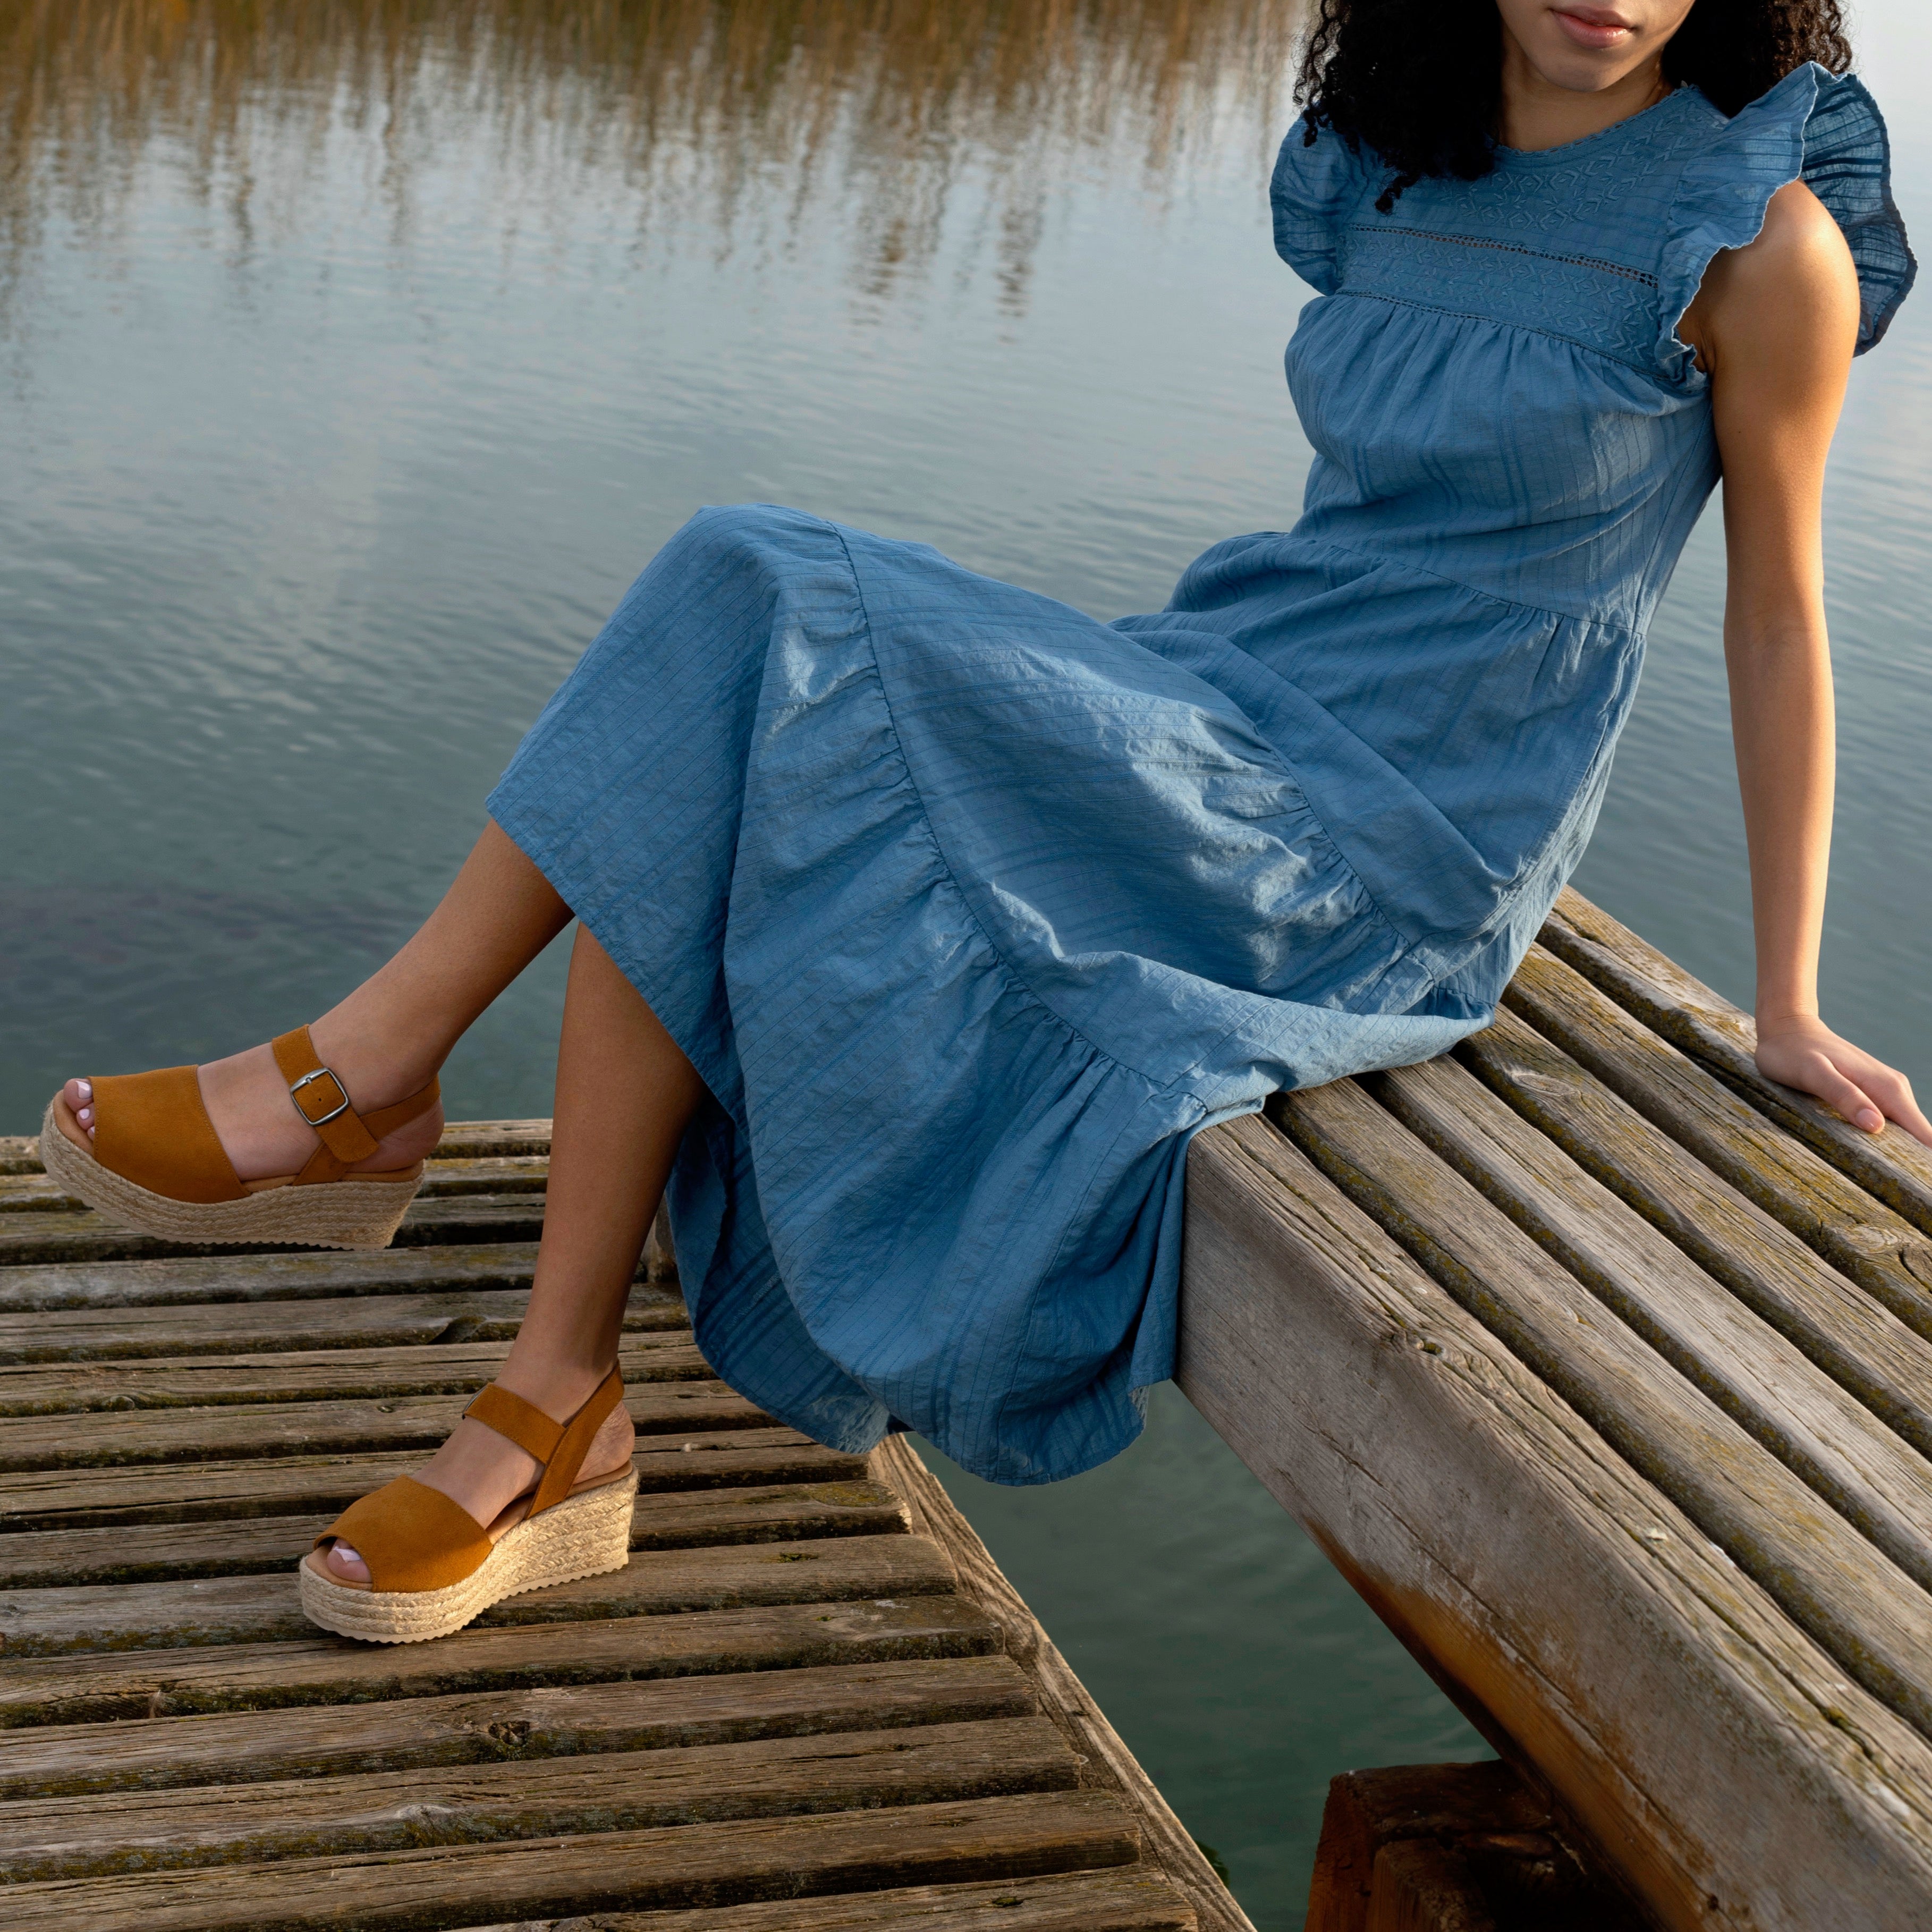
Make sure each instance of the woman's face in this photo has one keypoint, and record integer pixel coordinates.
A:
(1585, 46)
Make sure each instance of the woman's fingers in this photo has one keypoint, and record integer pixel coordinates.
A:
(1843, 1097)
(1863, 1090)
(1891, 1092)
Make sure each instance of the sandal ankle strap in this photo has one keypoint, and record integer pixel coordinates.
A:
(321, 1098)
(560, 1447)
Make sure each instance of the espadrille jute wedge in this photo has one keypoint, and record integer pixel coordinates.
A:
(433, 1567)
(156, 1162)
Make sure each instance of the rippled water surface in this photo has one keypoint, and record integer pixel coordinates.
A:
(356, 354)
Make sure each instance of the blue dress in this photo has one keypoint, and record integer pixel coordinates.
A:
(970, 910)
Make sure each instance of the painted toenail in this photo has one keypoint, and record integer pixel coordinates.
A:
(86, 1117)
(85, 1088)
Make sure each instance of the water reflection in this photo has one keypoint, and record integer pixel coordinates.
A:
(728, 114)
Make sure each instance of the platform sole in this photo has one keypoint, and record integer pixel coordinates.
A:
(585, 1535)
(351, 1213)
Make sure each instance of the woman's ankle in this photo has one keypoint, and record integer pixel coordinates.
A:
(379, 1063)
(558, 1386)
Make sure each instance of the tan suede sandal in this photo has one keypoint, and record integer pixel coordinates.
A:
(433, 1567)
(156, 1162)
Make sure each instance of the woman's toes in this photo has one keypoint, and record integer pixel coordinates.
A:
(79, 1095)
(345, 1565)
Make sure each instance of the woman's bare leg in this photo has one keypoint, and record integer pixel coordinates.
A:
(625, 1092)
(390, 1035)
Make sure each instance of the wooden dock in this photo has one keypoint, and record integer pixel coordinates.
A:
(1601, 1367)
(811, 1703)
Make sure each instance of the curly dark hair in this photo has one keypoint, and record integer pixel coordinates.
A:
(1420, 81)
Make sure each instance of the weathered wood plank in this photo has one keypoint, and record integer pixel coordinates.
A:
(363, 1321)
(1420, 1886)
(1529, 1872)
(658, 1583)
(1366, 1810)
(65, 1500)
(1130, 1901)
(451, 1178)
(1111, 1766)
(445, 1179)
(292, 1275)
(306, 1375)
(1883, 1252)
(632, 1790)
(494, 1140)
(691, 1864)
(29, 1193)
(462, 1140)
(81, 1689)
(1706, 1026)
(78, 1761)
(1853, 1338)
(1828, 1438)
(157, 1552)
(58, 1237)
(1733, 1774)
(1850, 1597)
(114, 1437)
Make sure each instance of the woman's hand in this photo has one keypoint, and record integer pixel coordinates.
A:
(1805, 1053)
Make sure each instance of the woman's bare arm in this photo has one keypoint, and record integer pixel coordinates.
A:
(1774, 324)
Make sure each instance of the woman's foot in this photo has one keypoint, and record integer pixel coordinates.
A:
(247, 1101)
(485, 1474)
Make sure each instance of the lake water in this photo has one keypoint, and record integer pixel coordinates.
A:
(351, 366)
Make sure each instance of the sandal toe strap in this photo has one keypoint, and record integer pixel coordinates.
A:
(153, 1128)
(412, 1536)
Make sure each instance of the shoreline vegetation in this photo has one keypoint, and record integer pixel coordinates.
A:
(708, 111)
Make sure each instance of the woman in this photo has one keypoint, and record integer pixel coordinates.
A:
(923, 920)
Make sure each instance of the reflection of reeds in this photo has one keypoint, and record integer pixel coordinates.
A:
(699, 99)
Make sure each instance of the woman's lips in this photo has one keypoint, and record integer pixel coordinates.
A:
(1592, 29)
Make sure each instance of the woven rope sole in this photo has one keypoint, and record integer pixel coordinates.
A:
(346, 1213)
(585, 1535)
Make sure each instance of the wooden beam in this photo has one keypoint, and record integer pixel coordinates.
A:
(1850, 1335)
(155, 1553)
(222, 1611)
(1861, 1236)
(494, 1140)
(626, 1791)
(1120, 1901)
(446, 1179)
(306, 1375)
(41, 1239)
(298, 1275)
(1850, 1597)
(1720, 1036)
(64, 1499)
(693, 1865)
(122, 1437)
(1112, 1767)
(81, 1761)
(1828, 1438)
(1731, 1772)
(1506, 1861)
(372, 1322)
(81, 1689)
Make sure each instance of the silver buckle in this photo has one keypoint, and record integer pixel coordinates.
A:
(320, 1073)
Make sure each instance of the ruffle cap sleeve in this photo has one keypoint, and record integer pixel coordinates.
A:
(1814, 126)
(1316, 188)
